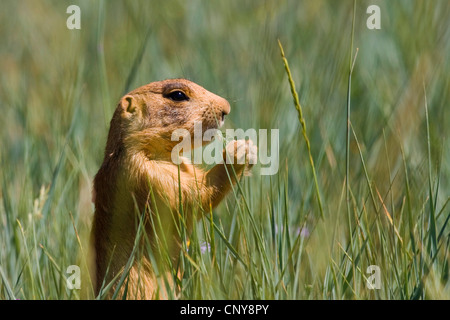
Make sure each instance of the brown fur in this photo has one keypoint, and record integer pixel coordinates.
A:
(137, 161)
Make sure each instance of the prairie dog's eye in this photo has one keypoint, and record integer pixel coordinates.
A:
(177, 96)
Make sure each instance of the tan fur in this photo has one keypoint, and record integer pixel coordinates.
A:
(137, 161)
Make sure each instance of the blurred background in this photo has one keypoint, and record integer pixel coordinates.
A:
(59, 88)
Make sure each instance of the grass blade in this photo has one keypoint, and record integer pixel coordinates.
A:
(303, 124)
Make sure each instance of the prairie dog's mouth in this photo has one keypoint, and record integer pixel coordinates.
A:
(222, 120)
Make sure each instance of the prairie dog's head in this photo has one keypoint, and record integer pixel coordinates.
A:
(149, 114)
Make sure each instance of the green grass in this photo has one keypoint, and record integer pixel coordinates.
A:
(360, 186)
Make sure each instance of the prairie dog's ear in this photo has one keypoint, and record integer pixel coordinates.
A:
(128, 105)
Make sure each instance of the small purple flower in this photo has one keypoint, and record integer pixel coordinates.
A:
(304, 233)
(205, 246)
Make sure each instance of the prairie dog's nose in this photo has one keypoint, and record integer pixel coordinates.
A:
(226, 107)
(222, 108)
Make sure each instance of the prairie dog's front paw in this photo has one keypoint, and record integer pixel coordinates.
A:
(241, 152)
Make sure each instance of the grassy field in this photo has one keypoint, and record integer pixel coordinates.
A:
(375, 192)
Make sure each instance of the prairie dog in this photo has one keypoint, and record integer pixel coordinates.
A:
(138, 177)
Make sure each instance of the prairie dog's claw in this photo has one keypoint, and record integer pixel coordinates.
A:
(242, 152)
